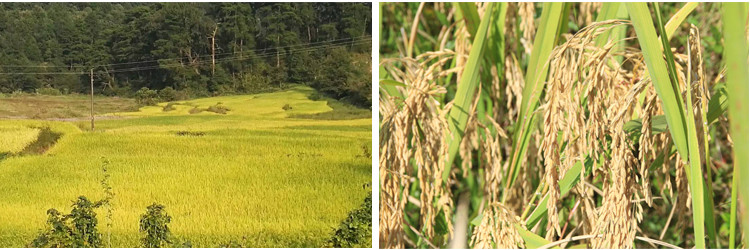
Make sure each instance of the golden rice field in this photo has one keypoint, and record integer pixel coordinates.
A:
(15, 138)
(252, 175)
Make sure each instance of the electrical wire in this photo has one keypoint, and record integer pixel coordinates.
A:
(240, 57)
(185, 57)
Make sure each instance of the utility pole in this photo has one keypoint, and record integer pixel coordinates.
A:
(91, 75)
(278, 11)
(213, 50)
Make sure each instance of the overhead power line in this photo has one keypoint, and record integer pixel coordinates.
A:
(368, 38)
(237, 57)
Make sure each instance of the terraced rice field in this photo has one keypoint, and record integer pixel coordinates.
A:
(252, 175)
(15, 138)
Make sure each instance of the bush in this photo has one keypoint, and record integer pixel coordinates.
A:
(168, 107)
(168, 94)
(146, 97)
(218, 108)
(195, 110)
(315, 96)
(74, 230)
(154, 225)
(356, 230)
(182, 95)
(286, 107)
(48, 91)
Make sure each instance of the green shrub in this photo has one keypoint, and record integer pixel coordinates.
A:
(286, 107)
(146, 96)
(218, 108)
(48, 91)
(182, 95)
(154, 226)
(168, 94)
(74, 230)
(315, 96)
(356, 230)
(169, 107)
(195, 110)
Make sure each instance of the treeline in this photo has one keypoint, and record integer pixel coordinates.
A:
(198, 49)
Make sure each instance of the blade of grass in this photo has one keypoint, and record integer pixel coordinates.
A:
(467, 87)
(667, 50)
(536, 73)
(608, 11)
(669, 28)
(679, 123)
(495, 56)
(498, 39)
(668, 93)
(391, 83)
(678, 18)
(717, 105)
(471, 17)
(532, 240)
(735, 37)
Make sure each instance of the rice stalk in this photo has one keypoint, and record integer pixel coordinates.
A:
(421, 118)
(536, 72)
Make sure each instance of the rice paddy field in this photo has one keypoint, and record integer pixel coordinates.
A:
(253, 175)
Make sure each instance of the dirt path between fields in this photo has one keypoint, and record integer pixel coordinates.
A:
(71, 119)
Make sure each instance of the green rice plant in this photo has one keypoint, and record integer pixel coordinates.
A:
(574, 125)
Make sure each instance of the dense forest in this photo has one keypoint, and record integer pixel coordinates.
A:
(197, 49)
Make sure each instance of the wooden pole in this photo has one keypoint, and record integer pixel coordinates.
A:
(213, 50)
(91, 75)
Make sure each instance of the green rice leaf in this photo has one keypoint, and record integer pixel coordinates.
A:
(532, 240)
(536, 73)
(391, 83)
(735, 26)
(471, 17)
(663, 76)
(678, 18)
(467, 88)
